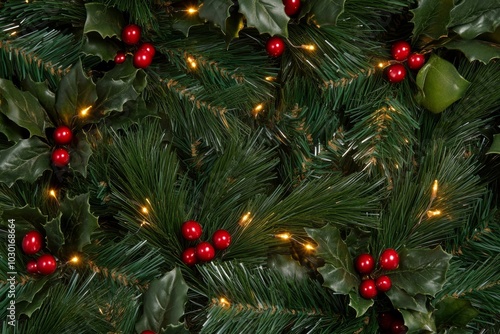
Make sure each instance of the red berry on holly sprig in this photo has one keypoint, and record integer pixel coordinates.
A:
(396, 73)
(62, 135)
(416, 61)
(205, 251)
(191, 230)
(149, 48)
(189, 256)
(275, 46)
(32, 242)
(364, 263)
(46, 264)
(291, 7)
(120, 57)
(383, 283)
(147, 331)
(60, 157)
(367, 289)
(131, 34)
(31, 267)
(400, 50)
(142, 58)
(398, 327)
(389, 259)
(221, 239)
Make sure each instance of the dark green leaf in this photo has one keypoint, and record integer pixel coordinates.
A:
(421, 271)
(216, 11)
(186, 23)
(455, 330)
(418, 322)
(268, 16)
(76, 92)
(495, 146)
(440, 84)
(11, 130)
(175, 329)
(32, 297)
(476, 49)
(431, 18)
(32, 289)
(107, 21)
(54, 234)
(471, 18)
(81, 155)
(41, 91)
(287, 266)
(338, 272)
(95, 45)
(76, 213)
(360, 304)
(123, 83)
(454, 312)
(234, 24)
(326, 12)
(27, 218)
(23, 109)
(164, 302)
(26, 160)
(401, 299)
(133, 112)
(487, 22)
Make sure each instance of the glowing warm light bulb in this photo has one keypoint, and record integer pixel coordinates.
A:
(224, 302)
(308, 47)
(53, 193)
(84, 112)
(270, 78)
(245, 219)
(284, 236)
(434, 188)
(192, 10)
(145, 210)
(258, 108)
(75, 259)
(381, 65)
(309, 247)
(433, 213)
(191, 62)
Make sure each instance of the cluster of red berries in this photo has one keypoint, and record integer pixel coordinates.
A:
(204, 251)
(46, 264)
(62, 136)
(275, 45)
(401, 51)
(364, 263)
(143, 56)
(147, 331)
(392, 323)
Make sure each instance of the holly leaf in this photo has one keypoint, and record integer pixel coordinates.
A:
(216, 11)
(27, 218)
(338, 272)
(234, 24)
(454, 312)
(418, 322)
(476, 49)
(23, 109)
(455, 330)
(81, 155)
(76, 92)
(421, 271)
(360, 304)
(495, 146)
(472, 18)
(440, 84)
(163, 302)
(175, 329)
(123, 83)
(268, 16)
(326, 12)
(431, 18)
(186, 23)
(41, 91)
(287, 266)
(26, 160)
(11, 130)
(133, 112)
(76, 213)
(401, 299)
(54, 234)
(95, 45)
(106, 21)
(33, 296)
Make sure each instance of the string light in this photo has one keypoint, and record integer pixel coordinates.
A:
(53, 193)
(191, 62)
(433, 213)
(75, 260)
(434, 189)
(270, 78)
(145, 210)
(13, 33)
(192, 10)
(309, 247)
(308, 47)
(284, 236)
(381, 65)
(245, 219)
(224, 302)
(84, 112)
(258, 108)
(144, 223)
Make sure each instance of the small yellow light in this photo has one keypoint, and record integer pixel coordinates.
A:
(147, 200)
(308, 47)
(309, 247)
(284, 236)
(100, 311)
(192, 10)
(381, 65)
(433, 213)
(435, 189)
(14, 33)
(270, 78)
(258, 108)
(53, 193)
(144, 210)
(191, 62)
(224, 302)
(84, 112)
(245, 219)
(75, 259)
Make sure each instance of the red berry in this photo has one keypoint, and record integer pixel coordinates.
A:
(149, 48)
(205, 251)
(416, 61)
(32, 242)
(142, 58)
(291, 7)
(46, 264)
(367, 289)
(147, 331)
(389, 259)
(120, 57)
(396, 73)
(398, 327)
(385, 320)
(62, 135)
(364, 263)
(275, 46)
(221, 239)
(400, 50)
(383, 283)
(31, 267)
(191, 230)
(189, 256)
(60, 157)
(131, 34)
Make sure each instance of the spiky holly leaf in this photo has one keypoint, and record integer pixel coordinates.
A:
(76, 92)
(95, 45)
(55, 235)
(419, 322)
(33, 296)
(400, 299)
(476, 49)
(76, 214)
(338, 272)
(175, 329)
(324, 12)
(184, 24)
(216, 11)
(234, 24)
(41, 91)
(81, 155)
(27, 218)
(431, 18)
(421, 271)
(495, 146)
(268, 16)
(106, 21)
(473, 18)
(454, 312)
(11, 130)
(23, 109)
(287, 266)
(26, 160)
(164, 302)
(358, 303)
